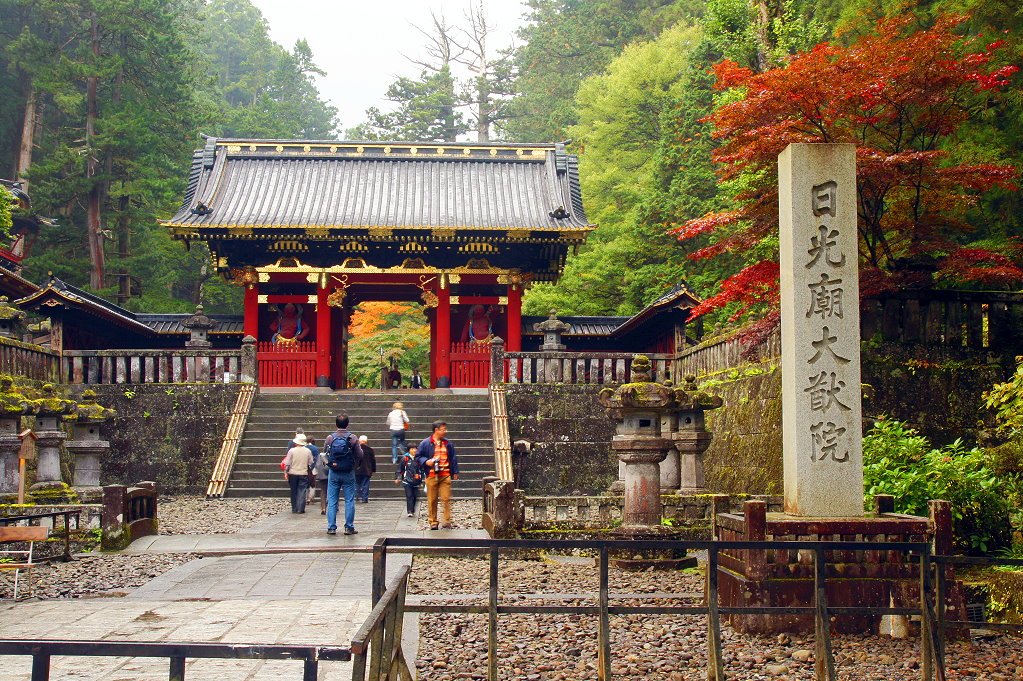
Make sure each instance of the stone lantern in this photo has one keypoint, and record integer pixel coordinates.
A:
(552, 328)
(198, 325)
(52, 411)
(641, 445)
(11, 319)
(87, 445)
(691, 437)
(13, 406)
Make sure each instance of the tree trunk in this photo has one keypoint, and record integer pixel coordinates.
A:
(28, 129)
(93, 225)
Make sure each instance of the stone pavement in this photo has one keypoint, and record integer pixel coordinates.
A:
(283, 580)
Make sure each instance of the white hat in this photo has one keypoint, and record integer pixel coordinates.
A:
(363, 438)
(300, 440)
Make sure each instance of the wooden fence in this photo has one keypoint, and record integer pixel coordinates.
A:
(287, 365)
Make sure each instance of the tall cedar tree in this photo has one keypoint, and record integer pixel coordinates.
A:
(901, 98)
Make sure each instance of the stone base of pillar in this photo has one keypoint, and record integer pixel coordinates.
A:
(645, 559)
(52, 492)
(690, 491)
(89, 495)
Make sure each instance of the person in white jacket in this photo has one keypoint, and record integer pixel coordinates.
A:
(397, 423)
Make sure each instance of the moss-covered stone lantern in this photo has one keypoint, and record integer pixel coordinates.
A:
(198, 325)
(641, 445)
(691, 437)
(52, 411)
(13, 405)
(12, 320)
(87, 444)
(552, 328)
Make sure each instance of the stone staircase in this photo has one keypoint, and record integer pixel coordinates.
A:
(275, 416)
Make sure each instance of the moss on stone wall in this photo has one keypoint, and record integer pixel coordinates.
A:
(571, 433)
(167, 433)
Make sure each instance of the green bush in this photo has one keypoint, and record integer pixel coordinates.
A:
(898, 461)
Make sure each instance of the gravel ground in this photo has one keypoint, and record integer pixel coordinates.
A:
(90, 576)
(466, 514)
(656, 647)
(199, 515)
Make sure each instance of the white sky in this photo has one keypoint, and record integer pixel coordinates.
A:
(360, 43)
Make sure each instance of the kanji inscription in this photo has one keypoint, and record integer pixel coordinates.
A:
(820, 330)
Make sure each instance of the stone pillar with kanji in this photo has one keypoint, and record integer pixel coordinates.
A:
(53, 410)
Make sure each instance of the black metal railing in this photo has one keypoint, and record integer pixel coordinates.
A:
(931, 640)
(34, 518)
(176, 653)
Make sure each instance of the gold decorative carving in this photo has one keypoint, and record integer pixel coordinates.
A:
(244, 276)
(280, 147)
(413, 264)
(502, 300)
(264, 277)
(413, 247)
(333, 149)
(440, 151)
(262, 299)
(241, 231)
(429, 298)
(311, 300)
(354, 263)
(477, 247)
(337, 298)
(355, 246)
(454, 300)
(289, 245)
(317, 232)
(306, 148)
(252, 147)
(478, 264)
(518, 233)
(52, 303)
(413, 150)
(233, 148)
(380, 232)
(443, 233)
(454, 278)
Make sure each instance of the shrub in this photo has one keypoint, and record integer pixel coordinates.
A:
(898, 461)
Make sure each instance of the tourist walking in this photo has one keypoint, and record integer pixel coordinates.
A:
(343, 456)
(365, 470)
(320, 472)
(409, 474)
(437, 456)
(416, 381)
(298, 462)
(397, 423)
(311, 444)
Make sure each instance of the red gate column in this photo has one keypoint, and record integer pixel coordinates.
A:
(322, 338)
(443, 323)
(251, 323)
(513, 343)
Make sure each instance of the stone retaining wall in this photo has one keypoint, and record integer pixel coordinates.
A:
(168, 433)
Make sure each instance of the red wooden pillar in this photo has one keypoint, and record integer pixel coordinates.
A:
(250, 325)
(322, 338)
(443, 349)
(432, 317)
(513, 343)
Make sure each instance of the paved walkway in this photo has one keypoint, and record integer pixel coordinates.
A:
(288, 583)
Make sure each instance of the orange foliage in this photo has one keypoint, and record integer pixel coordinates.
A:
(369, 317)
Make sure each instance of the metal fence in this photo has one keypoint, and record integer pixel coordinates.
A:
(932, 622)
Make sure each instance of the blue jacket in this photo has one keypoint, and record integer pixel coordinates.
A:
(425, 451)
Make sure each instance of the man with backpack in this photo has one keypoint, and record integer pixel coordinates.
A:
(343, 454)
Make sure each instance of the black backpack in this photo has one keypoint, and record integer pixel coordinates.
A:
(341, 454)
(413, 473)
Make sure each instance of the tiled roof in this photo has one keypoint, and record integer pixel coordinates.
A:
(171, 323)
(284, 183)
(581, 326)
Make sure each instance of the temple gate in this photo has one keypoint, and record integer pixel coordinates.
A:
(312, 228)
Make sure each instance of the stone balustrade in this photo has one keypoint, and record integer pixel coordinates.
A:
(194, 365)
(593, 368)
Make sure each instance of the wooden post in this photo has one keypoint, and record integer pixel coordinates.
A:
(443, 349)
(251, 323)
(25, 453)
(514, 334)
(322, 338)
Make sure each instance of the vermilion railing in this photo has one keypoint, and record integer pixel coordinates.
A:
(286, 365)
(470, 365)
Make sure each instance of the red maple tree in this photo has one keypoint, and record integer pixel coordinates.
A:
(900, 97)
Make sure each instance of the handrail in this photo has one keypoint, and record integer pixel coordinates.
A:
(224, 466)
(9, 519)
(499, 430)
(932, 644)
(176, 653)
(378, 640)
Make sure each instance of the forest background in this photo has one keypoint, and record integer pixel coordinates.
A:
(106, 99)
